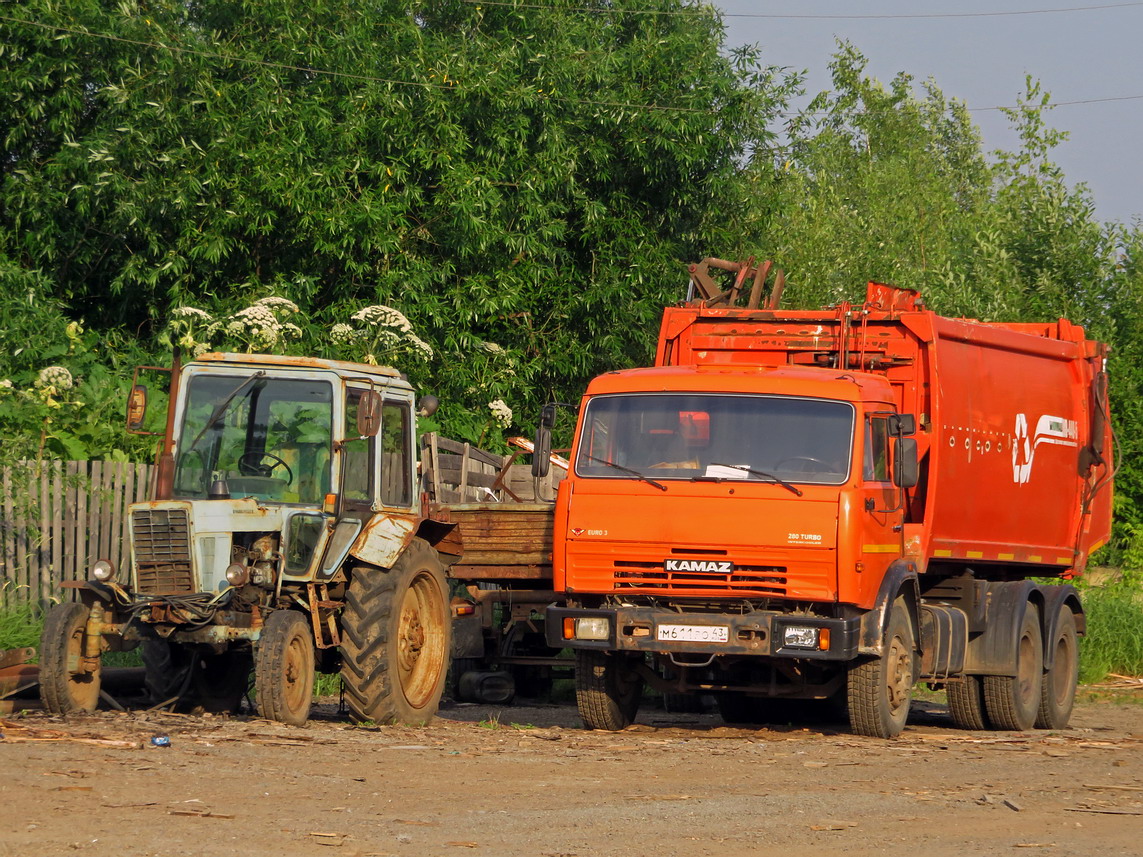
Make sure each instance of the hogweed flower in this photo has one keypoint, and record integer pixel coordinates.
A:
(56, 378)
(501, 413)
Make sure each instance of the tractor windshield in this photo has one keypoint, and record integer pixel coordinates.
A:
(268, 438)
(664, 436)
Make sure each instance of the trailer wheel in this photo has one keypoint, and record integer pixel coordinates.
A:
(966, 703)
(607, 690)
(284, 668)
(65, 686)
(395, 639)
(1058, 687)
(1012, 702)
(879, 690)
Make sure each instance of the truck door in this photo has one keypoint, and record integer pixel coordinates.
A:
(884, 514)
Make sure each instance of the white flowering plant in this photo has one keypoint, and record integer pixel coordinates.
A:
(264, 326)
(378, 334)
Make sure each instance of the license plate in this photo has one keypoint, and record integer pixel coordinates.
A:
(695, 633)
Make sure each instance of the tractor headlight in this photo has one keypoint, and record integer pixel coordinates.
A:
(103, 571)
(237, 574)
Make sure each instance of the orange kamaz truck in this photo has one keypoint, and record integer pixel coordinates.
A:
(834, 505)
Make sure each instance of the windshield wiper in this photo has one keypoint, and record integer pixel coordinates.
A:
(217, 413)
(628, 470)
(762, 473)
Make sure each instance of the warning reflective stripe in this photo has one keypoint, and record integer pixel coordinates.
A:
(881, 548)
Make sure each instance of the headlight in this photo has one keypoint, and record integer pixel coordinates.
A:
(800, 637)
(103, 571)
(237, 574)
(593, 628)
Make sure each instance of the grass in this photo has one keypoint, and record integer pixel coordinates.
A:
(20, 626)
(1114, 639)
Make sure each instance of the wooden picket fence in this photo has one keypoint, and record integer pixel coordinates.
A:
(58, 517)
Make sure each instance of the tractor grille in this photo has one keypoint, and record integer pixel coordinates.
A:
(652, 577)
(162, 551)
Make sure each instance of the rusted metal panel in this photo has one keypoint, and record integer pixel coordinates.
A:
(384, 537)
(15, 657)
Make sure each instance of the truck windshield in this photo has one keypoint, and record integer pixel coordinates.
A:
(713, 437)
(269, 438)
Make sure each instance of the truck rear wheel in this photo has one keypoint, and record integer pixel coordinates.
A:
(879, 690)
(966, 702)
(607, 690)
(395, 639)
(284, 668)
(65, 685)
(1012, 702)
(1058, 688)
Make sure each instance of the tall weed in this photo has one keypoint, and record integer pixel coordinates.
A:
(1114, 640)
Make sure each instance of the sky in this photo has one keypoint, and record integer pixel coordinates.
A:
(1091, 53)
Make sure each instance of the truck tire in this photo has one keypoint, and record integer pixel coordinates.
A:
(64, 687)
(966, 703)
(879, 690)
(395, 639)
(607, 690)
(1012, 702)
(284, 668)
(1058, 687)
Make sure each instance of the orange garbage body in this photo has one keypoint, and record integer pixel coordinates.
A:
(764, 445)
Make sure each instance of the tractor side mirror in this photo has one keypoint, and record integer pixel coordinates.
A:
(136, 408)
(369, 413)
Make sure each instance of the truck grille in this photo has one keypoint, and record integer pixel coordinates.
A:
(162, 551)
(652, 577)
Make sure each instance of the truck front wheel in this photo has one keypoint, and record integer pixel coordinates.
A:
(67, 684)
(1012, 702)
(879, 691)
(395, 639)
(1058, 688)
(284, 668)
(607, 689)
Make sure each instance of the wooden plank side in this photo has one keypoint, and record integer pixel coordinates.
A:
(106, 495)
(44, 548)
(69, 511)
(118, 498)
(20, 522)
(83, 500)
(129, 479)
(8, 532)
(57, 526)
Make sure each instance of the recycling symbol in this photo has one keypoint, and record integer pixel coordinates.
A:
(1021, 451)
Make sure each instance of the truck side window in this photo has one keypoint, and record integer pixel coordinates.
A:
(396, 458)
(876, 467)
(357, 461)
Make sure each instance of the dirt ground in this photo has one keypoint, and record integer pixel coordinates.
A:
(527, 782)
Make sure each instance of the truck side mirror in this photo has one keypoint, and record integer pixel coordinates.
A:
(542, 450)
(902, 425)
(906, 466)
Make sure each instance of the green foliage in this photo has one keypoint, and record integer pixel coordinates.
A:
(20, 625)
(1114, 639)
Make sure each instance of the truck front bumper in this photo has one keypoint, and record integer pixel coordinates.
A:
(761, 633)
